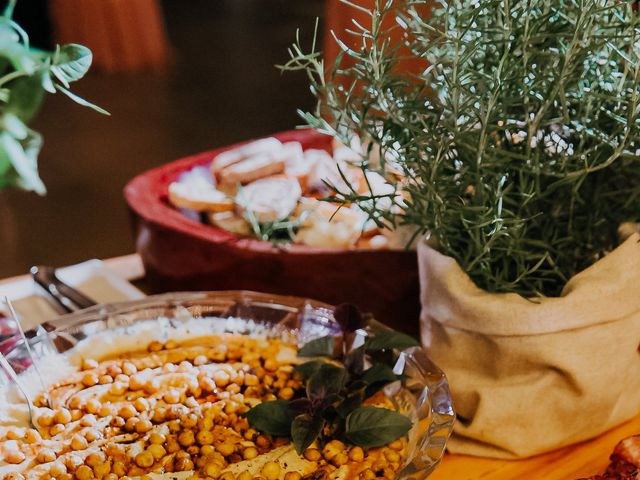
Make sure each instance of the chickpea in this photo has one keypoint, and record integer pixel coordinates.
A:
(117, 388)
(32, 436)
(72, 462)
(136, 383)
(271, 470)
(84, 472)
(78, 442)
(155, 346)
(127, 411)
(94, 459)
(367, 475)
(200, 360)
(226, 449)
(93, 405)
(102, 469)
(110, 476)
(62, 416)
(122, 378)
(117, 422)
(143, 426)
(144, 459)
(129, 368)
(89, 364)
(57, 429)
(88, 420)
(105, 379)
(212, 470)
(332, 448)
(14, 457)
(119, 469)
(57, 468)
(92, 435)
(183, 464)
(245, 476)
(90, 379)
(207, 385)
(356, 454)
(156, 450)
(312, 454)
(114, 370)
(227, 476)
(251, 380)
(157, 438)
(292, 476)
(46, 455)
(286, 393)
(205, 437)
(152, 386)
(171, 397)
(186, 438)
(130, 424)
(106, 411)
(249, 453)
(263, 441)
(159, 415)
(44, 420)
(340, 459)
(172, 445)
(221, 378)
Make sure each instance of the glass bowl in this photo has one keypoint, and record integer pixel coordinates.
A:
(425, 396)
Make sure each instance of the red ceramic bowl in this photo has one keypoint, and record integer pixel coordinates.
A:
(182, 254)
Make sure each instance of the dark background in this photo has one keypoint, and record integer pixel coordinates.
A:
(221, 87)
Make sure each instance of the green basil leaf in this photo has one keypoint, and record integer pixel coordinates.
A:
(320, 347)
(328, 380)
(377, 377)
(375, 427)
(307, 369)
(354, 400)
(304, 431)
(71, 62)
(388, 340)
(273, 417)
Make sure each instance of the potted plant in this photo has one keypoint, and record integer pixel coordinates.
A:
(517, 143)
(26, 75)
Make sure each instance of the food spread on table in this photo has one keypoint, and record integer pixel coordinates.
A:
(215, 406)
(273, 191)
(625, 461)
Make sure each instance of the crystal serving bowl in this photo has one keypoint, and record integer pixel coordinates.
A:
(424, 397)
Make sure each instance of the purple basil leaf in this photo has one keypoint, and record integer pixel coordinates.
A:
(328, 380)
(304, 431)
(320, 347)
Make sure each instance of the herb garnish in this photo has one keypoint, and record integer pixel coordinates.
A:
(331, 403)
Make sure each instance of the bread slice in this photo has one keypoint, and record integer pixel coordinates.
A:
(251, 169)
(269, 199)
(262, 146)
(327, 225)
(195, 190)
(231, 222)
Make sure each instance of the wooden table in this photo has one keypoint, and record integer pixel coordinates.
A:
(569, 463)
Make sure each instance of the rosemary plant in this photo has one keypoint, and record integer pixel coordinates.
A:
(518, 139)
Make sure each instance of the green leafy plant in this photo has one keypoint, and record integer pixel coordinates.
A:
(26, 75)
(336, 383)
(518, 137)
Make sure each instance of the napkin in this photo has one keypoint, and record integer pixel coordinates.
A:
(92, 278)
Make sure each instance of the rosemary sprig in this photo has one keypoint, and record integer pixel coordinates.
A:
(519, 138)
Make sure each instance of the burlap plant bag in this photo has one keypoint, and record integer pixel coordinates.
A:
(530, 377)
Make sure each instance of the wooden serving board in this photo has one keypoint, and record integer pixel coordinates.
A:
(570, 463)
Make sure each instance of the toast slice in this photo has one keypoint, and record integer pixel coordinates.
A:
(269, 199)
(228, 158)
(195, 190)
(251, 169)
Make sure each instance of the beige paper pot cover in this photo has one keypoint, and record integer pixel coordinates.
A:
(530, 377)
